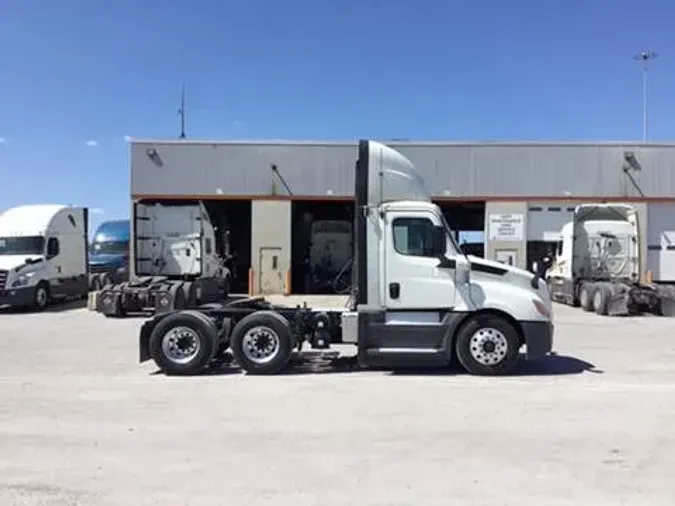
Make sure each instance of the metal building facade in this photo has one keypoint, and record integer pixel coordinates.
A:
(471, 171)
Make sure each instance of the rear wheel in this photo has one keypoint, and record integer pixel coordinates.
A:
(586, 296)
(488, 345)
(183, 343)
(262, 343)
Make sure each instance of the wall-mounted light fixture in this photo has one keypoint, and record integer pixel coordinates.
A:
(154, 156)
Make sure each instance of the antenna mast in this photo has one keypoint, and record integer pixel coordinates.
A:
(181, 111)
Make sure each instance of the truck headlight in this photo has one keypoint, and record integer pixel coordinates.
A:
(23, 280)
(541, 309)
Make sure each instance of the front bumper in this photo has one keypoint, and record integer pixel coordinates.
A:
(538, 338)
(17, 297)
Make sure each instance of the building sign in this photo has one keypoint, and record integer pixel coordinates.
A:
(506, 227)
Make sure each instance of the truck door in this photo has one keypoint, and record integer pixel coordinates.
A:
(413, 279)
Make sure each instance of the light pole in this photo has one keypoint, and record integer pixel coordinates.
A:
(644, 58)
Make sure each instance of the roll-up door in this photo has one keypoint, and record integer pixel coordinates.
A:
(661, 241)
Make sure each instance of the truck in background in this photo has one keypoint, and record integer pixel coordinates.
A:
(597, 264)
(175, 260)
(417, 298)
(329, 253)
(43, 255)
(109, 254)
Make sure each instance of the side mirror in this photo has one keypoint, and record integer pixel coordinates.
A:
(440, 242)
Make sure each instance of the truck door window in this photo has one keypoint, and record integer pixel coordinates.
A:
(414, 236)
(52, 247)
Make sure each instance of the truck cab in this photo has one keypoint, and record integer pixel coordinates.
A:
(109, 254)
(418, 295)
(43, 255)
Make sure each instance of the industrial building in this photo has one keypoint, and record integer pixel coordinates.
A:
(513, 197)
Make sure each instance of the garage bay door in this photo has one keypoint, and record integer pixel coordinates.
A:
(661, 241)
(545, 220)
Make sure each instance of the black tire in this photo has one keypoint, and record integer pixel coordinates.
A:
(273, 327)
(199, 336)
(41, 296)
(586, 293)
(488, 328)
(96, 283)
(106, 279)
(601, 299)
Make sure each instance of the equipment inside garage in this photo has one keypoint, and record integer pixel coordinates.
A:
(232, 221)
(544, 222)
(463, 217)
(322, 238)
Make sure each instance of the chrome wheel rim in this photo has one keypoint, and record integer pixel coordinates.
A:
(261, 344)
(181, 345)
(488, 346)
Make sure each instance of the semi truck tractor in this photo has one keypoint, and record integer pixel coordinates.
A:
(43, 255)
(417, 298)
(109, 254)
(176, 263)
(597, 264)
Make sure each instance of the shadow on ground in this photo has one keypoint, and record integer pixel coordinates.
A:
(552, 365)
(57, 307)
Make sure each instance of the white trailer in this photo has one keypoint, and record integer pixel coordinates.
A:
(597, 264)
(417, 298)
(176, 264)
(43, 255)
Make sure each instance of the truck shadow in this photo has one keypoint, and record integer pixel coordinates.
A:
(57, 307)
(553, 365)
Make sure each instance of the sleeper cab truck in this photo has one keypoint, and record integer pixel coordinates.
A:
(109, 254)
(417, 299)
(43, 255)
(597, 264)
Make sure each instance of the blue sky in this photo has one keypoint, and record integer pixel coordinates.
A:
(78, 72)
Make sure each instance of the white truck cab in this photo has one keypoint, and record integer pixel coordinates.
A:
(43, 254)
(418, 294)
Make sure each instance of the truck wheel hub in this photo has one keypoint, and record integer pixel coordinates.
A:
(260, 344)
(488, 346)
(180, 344)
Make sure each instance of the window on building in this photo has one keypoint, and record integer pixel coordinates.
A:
(414, 236)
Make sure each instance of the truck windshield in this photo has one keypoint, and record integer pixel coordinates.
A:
(110, 247)
(28, 245)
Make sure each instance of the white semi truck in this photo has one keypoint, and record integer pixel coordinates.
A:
(43, 255)
(597, 264)
(417, 300)
(176, 263)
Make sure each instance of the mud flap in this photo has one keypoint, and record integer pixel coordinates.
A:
(667, 306)
(617, 305)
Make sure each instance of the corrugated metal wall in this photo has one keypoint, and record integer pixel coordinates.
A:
(479, 170)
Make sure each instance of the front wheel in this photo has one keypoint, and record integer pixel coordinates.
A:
(41, 296)
(488, 345)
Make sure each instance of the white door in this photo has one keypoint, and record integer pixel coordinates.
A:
(661, 241)
(412, 278)
(545, 220)
(271, 275)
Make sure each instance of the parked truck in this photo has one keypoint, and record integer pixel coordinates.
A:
(597, 264)
(176, 263)
(109, 254)
(330, 251)
(417, 298)
(43, 255)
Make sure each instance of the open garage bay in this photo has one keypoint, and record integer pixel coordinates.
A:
(81, 422)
